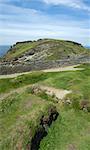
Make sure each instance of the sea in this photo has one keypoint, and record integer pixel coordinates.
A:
(4, 49)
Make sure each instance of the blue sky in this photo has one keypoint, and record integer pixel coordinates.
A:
(33, 19)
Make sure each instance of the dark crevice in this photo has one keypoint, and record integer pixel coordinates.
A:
(42, 130)
(40, 133)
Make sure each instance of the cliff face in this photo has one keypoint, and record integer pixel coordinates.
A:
(43, 54)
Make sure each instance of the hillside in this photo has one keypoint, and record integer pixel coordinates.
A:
(45, 49)
(43, 54)
(33, 118)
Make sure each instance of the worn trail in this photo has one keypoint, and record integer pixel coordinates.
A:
(68, 68)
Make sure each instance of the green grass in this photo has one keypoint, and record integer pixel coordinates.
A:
(59, 50)
(20, 113)
(19, 117)
(65, 49)
(43, 95)
(9, 84)
(70, 129)
(77, 81)
(20, 49)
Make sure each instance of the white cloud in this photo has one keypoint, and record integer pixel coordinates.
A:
(20, 32)
(79, 4)
(18, 24)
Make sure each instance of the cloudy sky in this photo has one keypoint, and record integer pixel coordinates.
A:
(32, 19)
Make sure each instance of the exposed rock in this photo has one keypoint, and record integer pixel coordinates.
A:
(43, 54)
(30, 52)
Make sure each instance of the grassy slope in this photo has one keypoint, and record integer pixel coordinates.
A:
(60, 49)
(70, 131)
(7, 84)
(78, 81)
(65, 49)
(72, 128)
(19, 117)
(19, 49)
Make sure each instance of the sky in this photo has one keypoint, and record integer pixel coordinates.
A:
(34, 19)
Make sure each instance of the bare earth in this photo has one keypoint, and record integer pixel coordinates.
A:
(59, 93)
(68, 68)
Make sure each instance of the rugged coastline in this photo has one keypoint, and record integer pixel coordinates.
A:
(42, 54)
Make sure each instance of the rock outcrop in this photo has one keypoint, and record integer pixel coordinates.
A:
(43, 54)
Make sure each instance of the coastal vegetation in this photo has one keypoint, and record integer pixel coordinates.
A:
(22, 110)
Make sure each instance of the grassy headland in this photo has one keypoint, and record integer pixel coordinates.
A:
(20, 112)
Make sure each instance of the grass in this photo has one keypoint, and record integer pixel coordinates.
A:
(66, 50)
(70, 130)
(19, 49)
(59, 50)
(7, 84)
(77, 81)
(19, 117)
(42, 94)
(20, 113)
(67, 80)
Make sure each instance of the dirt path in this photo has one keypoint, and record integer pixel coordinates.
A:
(18, 90)
(59, 93)
(13, 75)
(68, 68)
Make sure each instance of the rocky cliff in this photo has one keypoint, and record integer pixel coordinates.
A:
(42, 54)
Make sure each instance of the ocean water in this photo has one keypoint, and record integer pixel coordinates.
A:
(4, 49)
